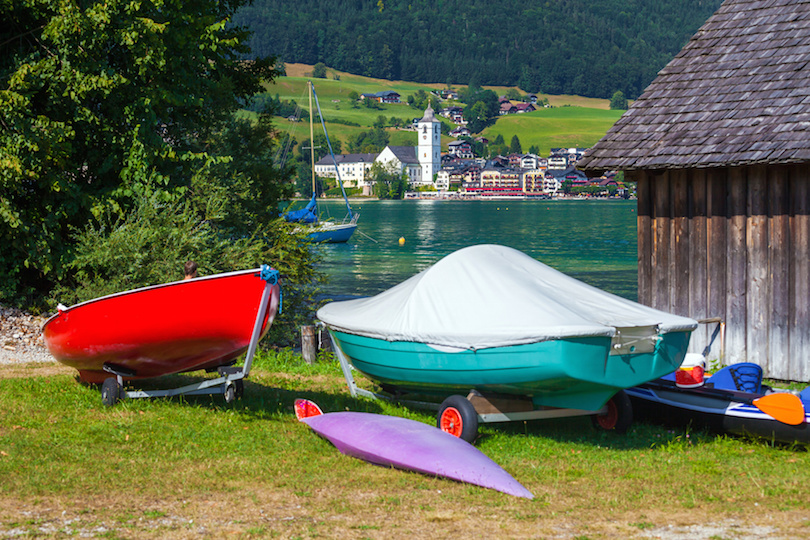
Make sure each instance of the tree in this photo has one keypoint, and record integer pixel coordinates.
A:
(388, 183)
(109, 106)
(319, 70)
(513, 95)
(514, 145)
(618, 101)
(369, 141)
(477, 117)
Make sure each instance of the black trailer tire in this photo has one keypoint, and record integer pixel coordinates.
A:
(230, 393)
(457, 417)
(110, 391)
(619, 415)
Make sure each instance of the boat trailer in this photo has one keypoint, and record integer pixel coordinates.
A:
(230, 381)
(460, 415)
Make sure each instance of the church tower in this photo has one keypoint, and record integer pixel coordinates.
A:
(428, 151)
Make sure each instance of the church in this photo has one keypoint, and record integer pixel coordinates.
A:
(420, 163)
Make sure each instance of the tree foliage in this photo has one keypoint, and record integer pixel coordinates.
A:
(109, 107)
(319, 70)
(388, 183)
(584, 47)
(369, 141)
(515, 146)
(482, 108)
(618, 101)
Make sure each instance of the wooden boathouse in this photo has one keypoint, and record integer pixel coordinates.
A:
(719, 144)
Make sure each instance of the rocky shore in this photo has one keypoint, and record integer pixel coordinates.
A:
(20, 339)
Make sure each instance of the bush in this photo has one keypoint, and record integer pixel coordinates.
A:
(151, 245)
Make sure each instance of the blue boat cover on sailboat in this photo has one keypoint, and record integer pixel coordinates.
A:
(305, 215)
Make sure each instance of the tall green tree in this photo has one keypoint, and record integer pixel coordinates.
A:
(514, 145)
(105, 104)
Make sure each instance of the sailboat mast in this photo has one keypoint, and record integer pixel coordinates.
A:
(311, 138)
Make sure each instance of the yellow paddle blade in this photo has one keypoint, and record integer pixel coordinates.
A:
(784, 407)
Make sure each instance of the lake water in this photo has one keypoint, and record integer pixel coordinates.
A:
(594, 241)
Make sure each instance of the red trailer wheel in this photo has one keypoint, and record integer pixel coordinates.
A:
(619, 414)
(457, 417)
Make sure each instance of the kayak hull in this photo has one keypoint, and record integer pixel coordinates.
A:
(661, 401)
(406, 444)
(176, 327)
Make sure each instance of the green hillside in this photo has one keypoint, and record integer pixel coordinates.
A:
(571, 127)
(571, 122)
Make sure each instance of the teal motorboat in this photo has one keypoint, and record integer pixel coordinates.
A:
(489, 322)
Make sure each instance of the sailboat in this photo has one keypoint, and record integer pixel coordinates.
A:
(323, 231)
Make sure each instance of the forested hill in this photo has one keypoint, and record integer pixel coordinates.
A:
(585, 47)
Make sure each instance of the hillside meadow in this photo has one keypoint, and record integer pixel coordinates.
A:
(573, 121)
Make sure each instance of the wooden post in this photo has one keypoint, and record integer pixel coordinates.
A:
(309, 344)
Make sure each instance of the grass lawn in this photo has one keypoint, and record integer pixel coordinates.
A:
(197, 467)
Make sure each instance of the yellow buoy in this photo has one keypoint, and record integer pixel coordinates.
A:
(401, 240)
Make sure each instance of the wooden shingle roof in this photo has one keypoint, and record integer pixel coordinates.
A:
(738, 93)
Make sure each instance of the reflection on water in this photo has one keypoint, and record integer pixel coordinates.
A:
(592, 241)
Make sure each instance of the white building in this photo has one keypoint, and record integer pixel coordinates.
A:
(420, 163)
(429, 147)
(353, 168)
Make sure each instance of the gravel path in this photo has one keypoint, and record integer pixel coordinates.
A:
(20, 339)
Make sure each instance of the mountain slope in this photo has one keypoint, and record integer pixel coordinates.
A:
(584, 47)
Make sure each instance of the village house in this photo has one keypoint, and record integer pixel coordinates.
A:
(460, 131)
(533, 181)
(461, 149)
(514, 159)
(558, 162)
(385, 96)
(532, 161)
(448, 94)
(718, 146)
(353, 168)
(454, 113)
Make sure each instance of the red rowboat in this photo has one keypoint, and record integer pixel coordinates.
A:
(203, 323)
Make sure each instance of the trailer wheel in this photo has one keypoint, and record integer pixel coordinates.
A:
(240, 388)
(457, 417)
(230, 393)
(110, 391)
(619, 415)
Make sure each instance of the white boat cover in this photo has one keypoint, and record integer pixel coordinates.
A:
(493, 296)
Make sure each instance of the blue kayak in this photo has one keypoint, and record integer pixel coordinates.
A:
(733, 401)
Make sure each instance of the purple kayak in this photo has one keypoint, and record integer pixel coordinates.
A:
(407, 444)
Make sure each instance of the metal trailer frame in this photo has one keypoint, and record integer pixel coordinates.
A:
(486, 418)
(229, 383)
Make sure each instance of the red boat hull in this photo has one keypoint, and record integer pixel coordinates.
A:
(182, 326)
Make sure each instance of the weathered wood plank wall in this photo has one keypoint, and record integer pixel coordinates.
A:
(732, 243)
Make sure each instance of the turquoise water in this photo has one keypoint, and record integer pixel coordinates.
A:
(594, 241)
